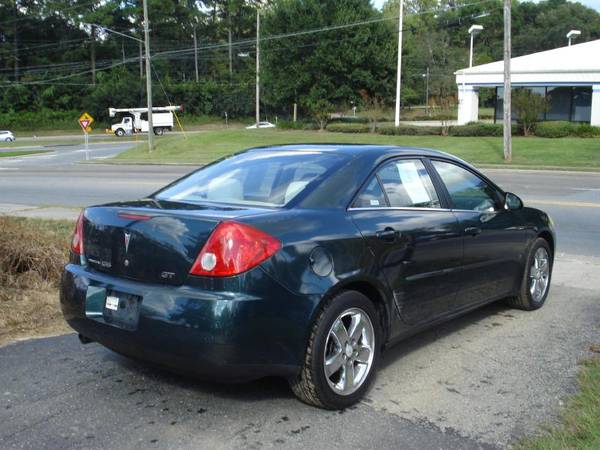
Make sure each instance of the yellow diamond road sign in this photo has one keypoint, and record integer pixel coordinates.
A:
(85, 120)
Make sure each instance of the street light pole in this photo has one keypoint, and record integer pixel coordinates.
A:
(148, 78)
(257, 67)
(572, 35)
(475, 29)
(507, 113)
(399, 68)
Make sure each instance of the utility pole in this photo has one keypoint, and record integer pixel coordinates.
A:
(399, 69)
(16, 42)
(141, 62)
(93, 54)
(148, 78)
(427, 91)
(257, 67)
(507, 86)
(229, 37)
(196, 54)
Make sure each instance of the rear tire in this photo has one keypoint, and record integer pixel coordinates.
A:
(158, 131)
(537, 275)
(350, 358)
(120, 132)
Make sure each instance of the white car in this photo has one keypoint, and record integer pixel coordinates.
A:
(261, 125)
(6, 136)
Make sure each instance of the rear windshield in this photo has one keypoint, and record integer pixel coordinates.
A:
(270, 179)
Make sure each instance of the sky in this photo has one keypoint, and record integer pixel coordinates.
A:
(590, 3)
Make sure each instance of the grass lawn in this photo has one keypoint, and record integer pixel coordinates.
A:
(580, 424)
(532, 152)
(22, 153)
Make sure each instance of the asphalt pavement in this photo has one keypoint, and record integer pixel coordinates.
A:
(481, 381)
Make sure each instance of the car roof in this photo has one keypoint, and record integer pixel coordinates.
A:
(354, 149)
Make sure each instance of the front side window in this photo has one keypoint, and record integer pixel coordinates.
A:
(399, 184)
(269, 179)
(467, 191)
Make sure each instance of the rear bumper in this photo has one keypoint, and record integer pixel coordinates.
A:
(215, 334)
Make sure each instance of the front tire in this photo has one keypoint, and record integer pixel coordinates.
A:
(342, 353)
(120, 132)
(536, 278)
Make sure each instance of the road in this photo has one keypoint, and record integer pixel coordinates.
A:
(481, 381)
(571, 198)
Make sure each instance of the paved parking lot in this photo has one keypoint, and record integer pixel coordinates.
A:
(481, 381)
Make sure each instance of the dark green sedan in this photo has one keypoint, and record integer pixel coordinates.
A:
(302, 261)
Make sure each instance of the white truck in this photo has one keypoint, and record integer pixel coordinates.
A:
(132, 121)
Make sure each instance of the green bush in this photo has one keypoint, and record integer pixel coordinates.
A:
(408, 130)
(477, 129)
(553, 129)
(347, 119)
(298, 125)
(585, 130)
(348, 128)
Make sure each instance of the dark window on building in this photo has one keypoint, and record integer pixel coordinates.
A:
(582, 104)
(559, 103)
(564, 103)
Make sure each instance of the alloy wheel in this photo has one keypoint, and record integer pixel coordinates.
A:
(539, 274)
(349, 351)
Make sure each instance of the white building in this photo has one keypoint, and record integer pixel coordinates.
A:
(569, 76)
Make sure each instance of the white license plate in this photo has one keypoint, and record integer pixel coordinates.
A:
(112, 302)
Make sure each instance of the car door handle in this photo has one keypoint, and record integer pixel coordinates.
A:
(473, 231)
(388, 234)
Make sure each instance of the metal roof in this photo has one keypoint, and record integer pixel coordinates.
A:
(578, 64)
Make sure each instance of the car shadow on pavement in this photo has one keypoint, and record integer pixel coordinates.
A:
(262, 389)
(271, 388)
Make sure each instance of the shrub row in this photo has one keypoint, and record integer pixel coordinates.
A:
(543, 129)
(348, 128)
(409, 130)
(563, 129)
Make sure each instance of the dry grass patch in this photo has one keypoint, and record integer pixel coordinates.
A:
(32, 254)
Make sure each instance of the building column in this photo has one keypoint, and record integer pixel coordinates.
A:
(595, 119)
(468, 104)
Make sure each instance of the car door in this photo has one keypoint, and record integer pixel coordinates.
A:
(416, 242)
(494, 238)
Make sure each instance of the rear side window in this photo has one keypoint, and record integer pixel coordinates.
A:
(399, 184)
(256, 178)
(371, 197)
(467, 190)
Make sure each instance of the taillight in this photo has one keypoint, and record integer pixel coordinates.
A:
(233, 248)
(77, 241)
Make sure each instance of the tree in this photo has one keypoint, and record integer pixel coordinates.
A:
(317, 104)
(529, 106)
(337, 63)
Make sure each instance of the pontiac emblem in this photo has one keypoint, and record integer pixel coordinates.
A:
(127, 239)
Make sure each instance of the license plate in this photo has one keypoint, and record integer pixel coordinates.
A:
(112, 302)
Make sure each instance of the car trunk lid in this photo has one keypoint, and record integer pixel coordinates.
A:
(150, 241)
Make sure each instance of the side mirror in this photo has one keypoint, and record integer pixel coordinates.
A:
(512, 201)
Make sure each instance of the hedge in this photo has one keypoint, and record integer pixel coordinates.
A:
(409, 130)
(348, 128)
(561, 129)
(553, 129)
(477, 129)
